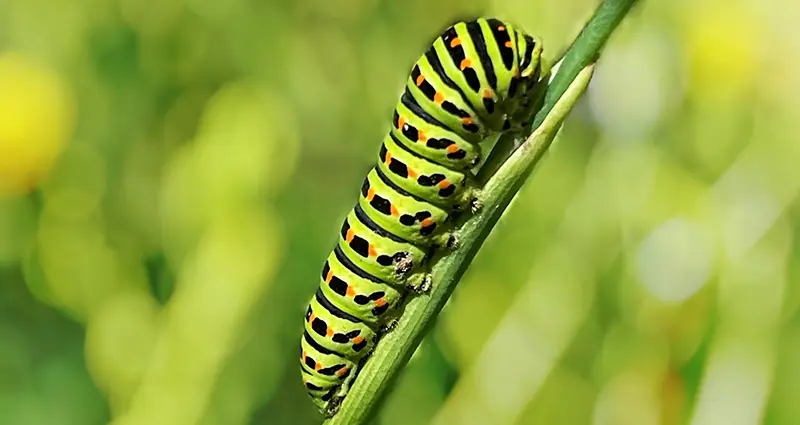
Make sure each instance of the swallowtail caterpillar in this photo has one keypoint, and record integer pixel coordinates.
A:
(478, 78)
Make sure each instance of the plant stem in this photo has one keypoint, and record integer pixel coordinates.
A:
(395, 348)
(584, 50)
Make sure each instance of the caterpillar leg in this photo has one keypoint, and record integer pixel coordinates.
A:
(453, 241)
(403, 263)
(476, 203)
(470, 196)
(423, 286)
(388, 326)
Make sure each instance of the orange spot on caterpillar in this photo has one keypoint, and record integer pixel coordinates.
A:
(488, 94)
(444, 184)
(304, 356)
(420, 80)
(413, 174)
(350, 235)
(329, 276)
(370, 194)
(501, 28)
(427, 222)
(421, 137)
(318, 366)
(311, 318)
(350, 291)
(380, 302)
(372, 251)
(455, 42)
(341, 371)
(401, 122)
(508, 43)
(388, 158)
(452, 148)
(358, 339)
(466, 120)
(438, 98)
(393, 210)
(466, 63)
(330, 332)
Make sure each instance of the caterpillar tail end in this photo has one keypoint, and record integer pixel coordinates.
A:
(332, 406)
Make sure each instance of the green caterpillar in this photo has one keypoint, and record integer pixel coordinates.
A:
(478, 78)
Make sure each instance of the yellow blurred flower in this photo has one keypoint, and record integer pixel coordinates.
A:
(722, 46)
(37, 114)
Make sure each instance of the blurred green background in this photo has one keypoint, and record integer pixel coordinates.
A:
(173, 173)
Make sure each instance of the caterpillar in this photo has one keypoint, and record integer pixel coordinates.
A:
(478, 78)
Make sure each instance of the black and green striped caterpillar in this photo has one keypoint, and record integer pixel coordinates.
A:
(477, 79)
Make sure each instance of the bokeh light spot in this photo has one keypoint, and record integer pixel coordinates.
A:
(37, 115)
(675, 260)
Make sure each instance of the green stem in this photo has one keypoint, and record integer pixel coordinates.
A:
(395, 348)
(584, 50)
